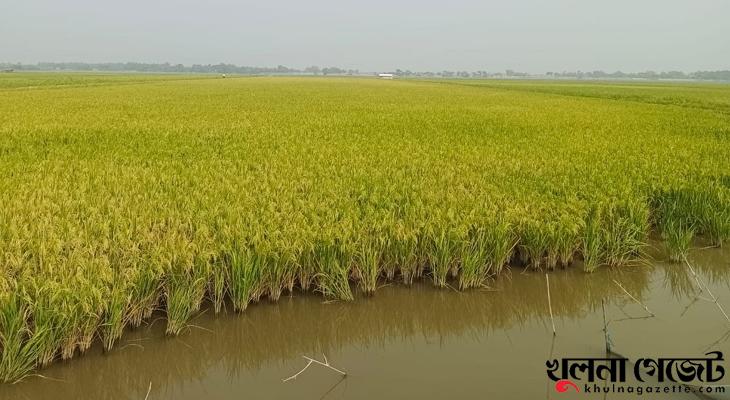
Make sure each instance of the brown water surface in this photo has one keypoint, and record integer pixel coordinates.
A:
(411, 342)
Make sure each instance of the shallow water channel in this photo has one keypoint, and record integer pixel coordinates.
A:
(413, 342)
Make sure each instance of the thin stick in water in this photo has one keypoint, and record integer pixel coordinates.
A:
(634, 299)
(550, 304)
(705, 288)
(605, 327)
(149, 389)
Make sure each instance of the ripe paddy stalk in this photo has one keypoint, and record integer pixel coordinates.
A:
(217, 284)
(113, 320)
(87, 308)
(333, 276)
(443, 255)
(290, 273)
(678, 215)
(243, 275)
(21, 347)
(367, 264)
(474, 255)
(388, 254)
(501, 242)
(710, 211)
(145, 287)
(52, 321)
(678, 238)
(534, 244)
(87, 333)
(276, 275)
(186, 281)
(183, 295)
(566, 240)
(305, 268)
(625, 228)
(592, 241)
(405, 255)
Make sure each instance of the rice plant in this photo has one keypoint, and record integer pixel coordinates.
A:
(118, 201)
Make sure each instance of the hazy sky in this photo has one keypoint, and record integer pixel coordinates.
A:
(375, 35)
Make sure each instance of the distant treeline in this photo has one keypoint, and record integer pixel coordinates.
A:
(704, 75)
(708, 75)
(316, 70)
(173, 68)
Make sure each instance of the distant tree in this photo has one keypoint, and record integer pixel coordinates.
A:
(712, 75)
(314, 70)
(332, 70)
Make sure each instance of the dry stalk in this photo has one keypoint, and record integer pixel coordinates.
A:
(311, 361)
(550, 304)
(634, 299)
(705, 288)
(606, 337)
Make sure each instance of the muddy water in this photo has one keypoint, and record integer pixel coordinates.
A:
(416, 342)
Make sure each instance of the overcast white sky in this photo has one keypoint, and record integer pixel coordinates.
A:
(375, 35)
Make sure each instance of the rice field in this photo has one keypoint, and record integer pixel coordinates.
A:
(124, 195)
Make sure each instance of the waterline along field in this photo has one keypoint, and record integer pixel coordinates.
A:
(124, 195)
